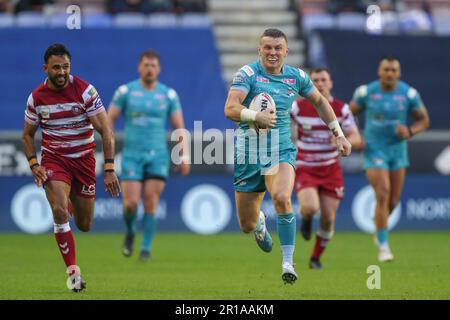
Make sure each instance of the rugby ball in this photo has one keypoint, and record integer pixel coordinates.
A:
(259, 103)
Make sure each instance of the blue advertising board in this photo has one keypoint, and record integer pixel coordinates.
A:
(204, 204)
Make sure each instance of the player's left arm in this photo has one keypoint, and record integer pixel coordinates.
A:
(101, 124)
(326, 113)
(177, 122)
(421, 123)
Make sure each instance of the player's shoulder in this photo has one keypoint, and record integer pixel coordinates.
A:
(340, 107)
(126, 87)
(295, 72)
(39, 90)
(337, 104)
(171, 93)
(251, 69)
(367, 88)
(406, 89)
(78, 82)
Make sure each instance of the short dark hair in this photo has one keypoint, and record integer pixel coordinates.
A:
(274, 33)
(56, 49)
(320, 69)
(150, 54)
(390, 58)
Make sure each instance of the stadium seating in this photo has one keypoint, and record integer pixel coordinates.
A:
(351, 21)
(97, 20)
(166, 20)
(195, 20)
(6, 20)
(129, 20)
(318, 21)
(441, 21)
(30, 19)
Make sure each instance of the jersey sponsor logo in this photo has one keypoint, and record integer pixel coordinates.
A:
(136, 93)
(239, 78)
(160, 96)
(376, 96)
(262, 79)
(77, 109)
(400, 98)
(289, 81)
(88, 190)
(290, 93)
(248, 70)
(44, 112)
(93, 92)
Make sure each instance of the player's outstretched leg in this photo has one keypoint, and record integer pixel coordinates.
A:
(287, 232)
(262, 236)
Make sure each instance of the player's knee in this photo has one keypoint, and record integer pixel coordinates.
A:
(247, 226)
(84, 225)
(60, 213)
(308, 209)
(382, 195)
(130, 206)
(281, 200)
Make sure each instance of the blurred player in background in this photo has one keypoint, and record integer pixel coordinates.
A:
(146, 104)
(319, 183)
(68, 109)
(387, 103)
(269, 74)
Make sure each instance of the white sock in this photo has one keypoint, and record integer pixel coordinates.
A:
(288, 254)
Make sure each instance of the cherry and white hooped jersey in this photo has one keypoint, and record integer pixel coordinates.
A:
(64, 117)
(315, 144)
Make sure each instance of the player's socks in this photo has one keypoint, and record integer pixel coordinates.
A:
(66, 243)
(148, 231)
(130, 221)
(286, 232)
(322, 239)
(382, 237)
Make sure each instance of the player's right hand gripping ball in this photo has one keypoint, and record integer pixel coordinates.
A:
(260, 103)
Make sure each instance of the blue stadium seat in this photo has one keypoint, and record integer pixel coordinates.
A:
(195, 20)
(442, 23)
(351, 21)
(28, 19)
(166, 20)
(318, 21)
(415, 21)
(129, 20)
(96, 20)
(390, 22)
(6, 20)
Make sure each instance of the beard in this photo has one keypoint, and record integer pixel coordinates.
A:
(56, 83)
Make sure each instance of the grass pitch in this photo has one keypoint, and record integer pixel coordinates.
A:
(226, 266)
